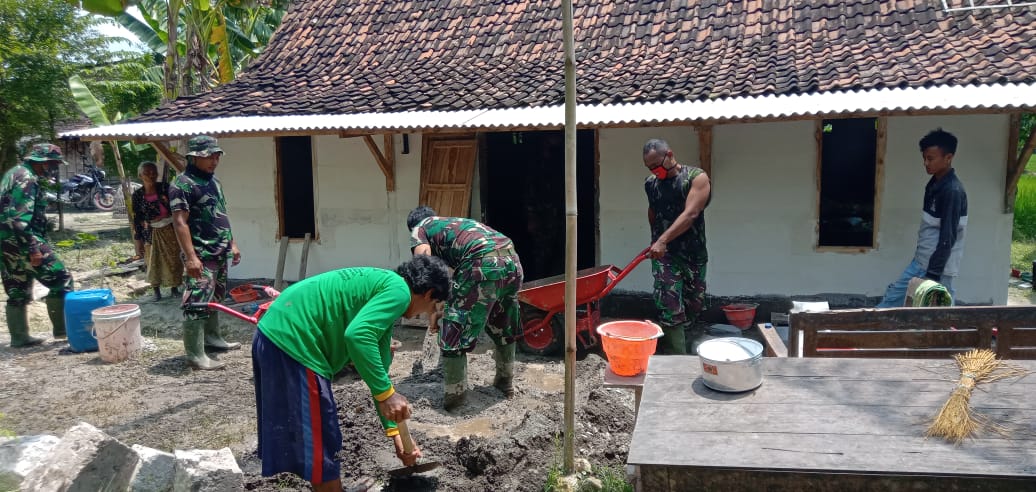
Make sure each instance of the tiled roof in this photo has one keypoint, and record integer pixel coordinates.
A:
(361, 56)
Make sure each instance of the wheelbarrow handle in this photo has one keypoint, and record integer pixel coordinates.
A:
(219, 307)
(615, 278)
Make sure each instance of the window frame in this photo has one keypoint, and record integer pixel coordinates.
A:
(879, 181)
(278, 186)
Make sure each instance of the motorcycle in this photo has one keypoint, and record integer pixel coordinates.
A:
(87, 190)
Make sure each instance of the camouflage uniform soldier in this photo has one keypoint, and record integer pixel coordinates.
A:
(203, 231)
(677, 197)
(26, 254)
(483, 295)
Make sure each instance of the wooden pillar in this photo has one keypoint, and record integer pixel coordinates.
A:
(705, 149)
(1016, 161)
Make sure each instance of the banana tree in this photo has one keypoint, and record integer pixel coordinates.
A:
(94, 110)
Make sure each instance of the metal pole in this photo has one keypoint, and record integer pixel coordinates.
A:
(571, 213)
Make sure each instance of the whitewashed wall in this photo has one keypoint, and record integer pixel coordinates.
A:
(760, 225)
(358, 222)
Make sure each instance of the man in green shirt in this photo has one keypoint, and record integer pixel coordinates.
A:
(310, 332)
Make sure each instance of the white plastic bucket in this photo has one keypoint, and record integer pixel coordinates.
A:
(117, 329)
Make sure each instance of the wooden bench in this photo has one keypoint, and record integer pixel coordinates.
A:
(908, 332)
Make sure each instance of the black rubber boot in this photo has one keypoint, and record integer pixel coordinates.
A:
(56, 311)
(18, 325)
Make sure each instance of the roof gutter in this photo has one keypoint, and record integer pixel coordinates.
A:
(976, 99)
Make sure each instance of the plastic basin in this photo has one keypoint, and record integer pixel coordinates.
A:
(628, 345)
(740, 315)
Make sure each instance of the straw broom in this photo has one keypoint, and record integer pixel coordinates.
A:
(956, 421)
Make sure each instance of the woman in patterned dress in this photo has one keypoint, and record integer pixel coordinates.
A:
(153, 232)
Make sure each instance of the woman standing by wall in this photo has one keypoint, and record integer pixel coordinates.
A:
(153, 232)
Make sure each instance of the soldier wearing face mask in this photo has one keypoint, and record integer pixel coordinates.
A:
(677, 197)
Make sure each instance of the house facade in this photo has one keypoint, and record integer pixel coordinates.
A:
(805, 115)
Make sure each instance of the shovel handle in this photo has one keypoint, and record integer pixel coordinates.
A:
(404, 435)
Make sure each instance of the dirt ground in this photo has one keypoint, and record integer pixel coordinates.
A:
(156, 400)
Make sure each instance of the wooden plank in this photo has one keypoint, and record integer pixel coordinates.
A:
(773, 343)
(830, 453)
(447, 170)
(278, 282)
(1014, 342)
(908, 339)
(705, 149)
(879, 178)
(817, 391)
(386, 164)
(882, 420)
(849, 416)
(305, 257)
(178, 161)
(679, 479)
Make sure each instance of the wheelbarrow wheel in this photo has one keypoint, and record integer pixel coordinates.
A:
(546, 340)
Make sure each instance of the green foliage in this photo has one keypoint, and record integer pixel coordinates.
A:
(41, 43)
(1025, 209)
(1028, 124)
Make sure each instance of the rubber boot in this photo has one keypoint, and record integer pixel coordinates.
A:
(56, 311)
(674, 340)
(194, 345)
(503, 356)
(213, 338)
(158, 293)
(18, 325)
(455, 381)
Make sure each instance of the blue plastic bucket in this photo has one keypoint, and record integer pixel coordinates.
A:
(78, 319)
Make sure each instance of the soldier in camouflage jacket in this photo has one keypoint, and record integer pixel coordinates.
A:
(677, 197)
(483, 295)
(26, 254)
(207, 245)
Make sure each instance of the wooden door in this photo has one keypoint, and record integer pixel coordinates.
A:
(447, 168)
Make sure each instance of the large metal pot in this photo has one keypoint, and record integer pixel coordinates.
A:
(731, 364)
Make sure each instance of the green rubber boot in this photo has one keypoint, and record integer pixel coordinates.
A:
(455, 381)
(503, 356)
(56, 311)
(674, 340)
(214, 338)
(18, 325)
(194, 345)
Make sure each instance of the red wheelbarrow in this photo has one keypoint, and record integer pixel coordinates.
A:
(543, 332)
(270, 292)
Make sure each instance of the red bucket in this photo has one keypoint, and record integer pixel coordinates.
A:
(740, 315)
(628, 345)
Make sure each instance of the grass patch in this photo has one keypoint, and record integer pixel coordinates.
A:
(1023, 253)
(1025, 209)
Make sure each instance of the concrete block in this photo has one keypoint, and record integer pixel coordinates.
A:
(202, 470)
(19, 455)
(85, 460)
(155, 470)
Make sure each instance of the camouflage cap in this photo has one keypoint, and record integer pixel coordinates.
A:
(45, 153)
(203, 146)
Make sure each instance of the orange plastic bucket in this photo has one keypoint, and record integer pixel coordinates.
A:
(628, 345)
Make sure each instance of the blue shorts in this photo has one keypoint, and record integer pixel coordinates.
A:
(296, 414)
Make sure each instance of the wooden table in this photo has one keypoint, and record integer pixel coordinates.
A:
(828, 424)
